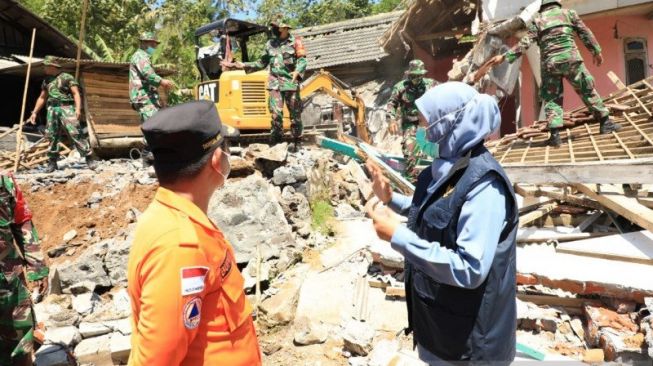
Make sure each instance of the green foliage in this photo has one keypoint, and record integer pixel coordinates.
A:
(322, 217)
(385, 6)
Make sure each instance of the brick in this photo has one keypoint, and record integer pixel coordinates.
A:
(526, 279)
(593, 356)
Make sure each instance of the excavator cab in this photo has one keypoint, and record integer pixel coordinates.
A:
(241, 99)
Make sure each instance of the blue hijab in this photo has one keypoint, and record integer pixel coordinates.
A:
(459, 118)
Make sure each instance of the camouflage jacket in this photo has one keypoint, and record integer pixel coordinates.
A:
(143, 80)
(283, 57)
(404, 95)
(16, 224)
(553, 30)
(59, 87)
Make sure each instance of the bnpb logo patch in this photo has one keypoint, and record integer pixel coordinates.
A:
(192, 313)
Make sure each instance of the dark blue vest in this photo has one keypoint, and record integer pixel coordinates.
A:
(451, 322)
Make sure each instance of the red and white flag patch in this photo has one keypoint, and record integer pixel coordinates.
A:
(192, 280)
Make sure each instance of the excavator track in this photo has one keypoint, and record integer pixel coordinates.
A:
(264, 137)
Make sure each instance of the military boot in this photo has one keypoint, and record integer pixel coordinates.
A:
(91, 162)
(296, 145)
(608, 125)
(554, 139)
(52, 165)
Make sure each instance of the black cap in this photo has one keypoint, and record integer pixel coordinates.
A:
(186, 132)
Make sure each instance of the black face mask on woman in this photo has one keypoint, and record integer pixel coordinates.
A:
(276, 32)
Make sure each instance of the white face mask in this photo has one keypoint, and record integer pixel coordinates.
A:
(446, 129)
(225, 165)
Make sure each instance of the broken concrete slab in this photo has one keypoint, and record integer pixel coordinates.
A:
(95, 351)
(85, 303)
(280, 307)
(120, 348)
(383, 353)
(267, 159)
(88, 330)
(249, 214)
(358, 337)
(308, 332)
(116, 262)
(619, 347)
(540, 264)
(286, 175)
(383, 253)
(87, 267)
(56, 311)
(67, 336)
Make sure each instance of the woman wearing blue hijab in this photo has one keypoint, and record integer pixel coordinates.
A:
(459, 241)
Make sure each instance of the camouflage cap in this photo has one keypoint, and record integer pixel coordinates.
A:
(549, 2)
(416, 67)
(280, 23)
(148, 36)
(50, 61)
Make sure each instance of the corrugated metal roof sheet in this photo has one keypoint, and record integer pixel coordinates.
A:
(85, 65)
(346, 42)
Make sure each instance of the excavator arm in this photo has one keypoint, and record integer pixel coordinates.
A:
(325, 82)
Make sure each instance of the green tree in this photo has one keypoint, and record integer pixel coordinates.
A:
(385, 6)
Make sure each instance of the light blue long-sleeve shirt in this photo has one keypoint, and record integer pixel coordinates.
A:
(481, 221)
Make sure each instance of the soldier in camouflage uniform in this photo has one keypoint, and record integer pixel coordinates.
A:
(61, 91)
(19, 256)
(286, 56)
(144, 83)
(402, 105)
(553, 29)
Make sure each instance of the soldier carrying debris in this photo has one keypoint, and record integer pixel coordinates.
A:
(144, 83)
(286, 56)
(402, 105)
(61, 91)
(20, 261)
(553, 29)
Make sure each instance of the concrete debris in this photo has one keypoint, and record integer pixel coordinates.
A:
(345, 211)
(280, 308)
(286, 175)
(249, 214)
(358, 337)
(69, 236)
(88, 267)
(96, 351)
(309, 332)
(267, 159)
(85, 303)
(240, 167)
(56, 311)
(89, 330)
(120, 348)
(297, 211)
(66, 336)
(383, 353)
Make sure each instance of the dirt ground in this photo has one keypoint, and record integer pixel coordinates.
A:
(63, 207)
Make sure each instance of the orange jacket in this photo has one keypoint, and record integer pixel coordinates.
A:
(187, 297)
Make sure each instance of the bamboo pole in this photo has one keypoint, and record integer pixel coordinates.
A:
(19, 133)
(82, 32)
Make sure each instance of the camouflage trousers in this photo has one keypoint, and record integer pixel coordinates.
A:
(410, 150)
(16, 318)
(580, 79)
(62, 120)
(294, 103)
(146, 110)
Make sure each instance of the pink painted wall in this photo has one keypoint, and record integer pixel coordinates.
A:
(613, 55)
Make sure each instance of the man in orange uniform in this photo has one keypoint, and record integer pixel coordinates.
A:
(187, 297)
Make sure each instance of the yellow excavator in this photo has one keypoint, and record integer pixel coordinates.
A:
(241, 98)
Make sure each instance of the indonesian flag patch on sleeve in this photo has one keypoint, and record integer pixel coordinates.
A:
(192, 280)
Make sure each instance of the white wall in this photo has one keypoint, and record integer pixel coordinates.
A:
(504, 9)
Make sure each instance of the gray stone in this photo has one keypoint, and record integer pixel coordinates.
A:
(383, 253)
(240, 167)
(120, 348)
(116, 262)
(358, 338)
(249, 214)
(69, 236)
(297, 210)
(56, 311)
(308, 332)
(65, 336)
(346, 211)
(268, 159)
(289, 175)
(117, 307)
(89, 266)
(89, 330)
(95, 197)
(122, 326)
(83, 287)
(95, 351)
(85, 303)
(51, 355)
(280, 308)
